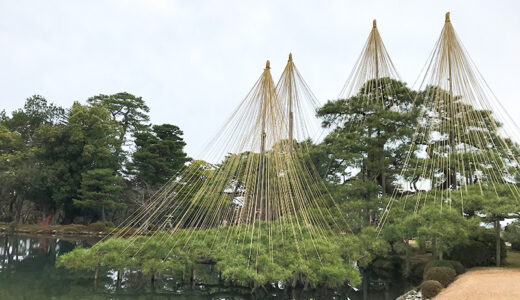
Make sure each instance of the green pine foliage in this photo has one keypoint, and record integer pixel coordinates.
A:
(281, 259)
(159, 154)
(99, 190)
(370, 133)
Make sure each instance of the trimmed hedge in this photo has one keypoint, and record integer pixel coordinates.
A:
(487, 237)
(455, 265)
(479, 251)
(430, 288)
(471, 254)
(444, 275)
(458, 266)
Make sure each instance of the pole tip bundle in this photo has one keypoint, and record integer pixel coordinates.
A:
(268, 64)
(374, 23)
(290, 57)
(447, 17)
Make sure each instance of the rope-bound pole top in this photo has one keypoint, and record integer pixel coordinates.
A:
(290, 56)
(374, 24)
(447, 17)
(267, 65)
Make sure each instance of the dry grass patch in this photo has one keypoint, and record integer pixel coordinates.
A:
(489, 283)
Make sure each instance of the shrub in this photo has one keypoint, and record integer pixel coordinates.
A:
(455, 265)
(430, 288)
(444, 275)
(487, 237)
(458, 266)
(479, 251)
(98, 226)
(471, 254)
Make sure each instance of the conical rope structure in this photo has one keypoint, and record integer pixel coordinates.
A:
(256, 205)
(366, 151)
(263, 200)
(462, 142)
(373, 67)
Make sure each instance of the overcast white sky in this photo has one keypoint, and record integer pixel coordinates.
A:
(194, 61)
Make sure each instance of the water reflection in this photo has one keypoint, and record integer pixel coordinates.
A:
(27, 271)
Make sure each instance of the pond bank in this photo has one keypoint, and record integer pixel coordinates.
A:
(71, 229)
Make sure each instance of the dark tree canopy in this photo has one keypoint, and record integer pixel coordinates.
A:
(159, 154)
(370, 132)
(66, 163)
(130, 111)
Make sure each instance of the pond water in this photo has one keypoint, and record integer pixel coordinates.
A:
(28, 271)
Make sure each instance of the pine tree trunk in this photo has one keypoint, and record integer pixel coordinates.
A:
(438, 245)
(192, 278)
(407, 258)
(96, 277)
(365, 287)
(383, 175)
(11, 209)
(387, 290)
(498, 244)
(434, 248)
(103, 213)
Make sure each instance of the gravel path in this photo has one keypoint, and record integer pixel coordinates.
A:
(492, 283)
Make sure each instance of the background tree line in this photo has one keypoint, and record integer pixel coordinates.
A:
(97, 161)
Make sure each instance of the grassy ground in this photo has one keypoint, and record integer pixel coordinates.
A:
(487, 283)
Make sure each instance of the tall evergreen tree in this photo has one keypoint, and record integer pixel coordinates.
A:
(99, 190)
(130, 111)
(88, 141)
(369, 140)
(159, 155)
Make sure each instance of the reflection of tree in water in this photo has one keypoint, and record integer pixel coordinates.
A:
(28, 268)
